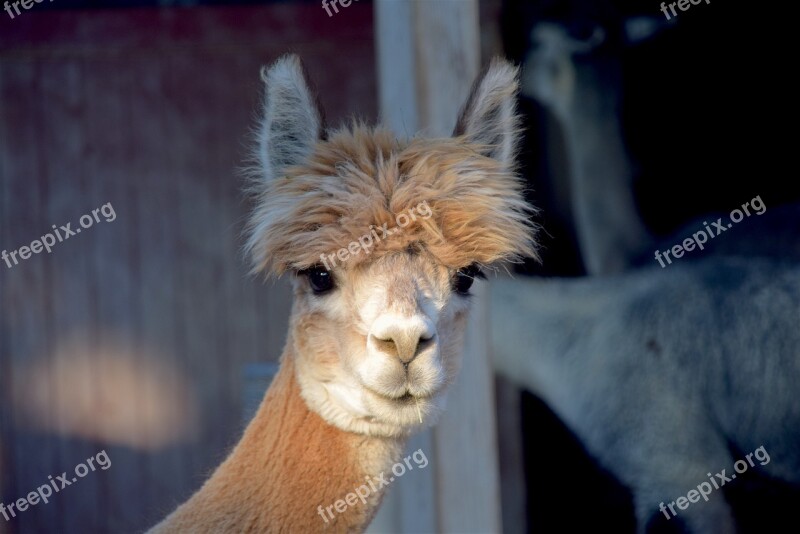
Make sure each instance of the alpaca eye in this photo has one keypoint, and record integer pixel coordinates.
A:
(464, 278)
(319, 279)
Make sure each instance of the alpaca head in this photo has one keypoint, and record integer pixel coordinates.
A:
(554, 66)
(383, 239)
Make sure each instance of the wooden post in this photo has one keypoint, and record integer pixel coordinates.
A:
(428, 57)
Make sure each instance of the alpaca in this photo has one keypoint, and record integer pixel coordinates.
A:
(375, 341)
(608, 227)
(664, 374)
(578, 81)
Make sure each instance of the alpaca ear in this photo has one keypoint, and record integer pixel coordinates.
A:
(292, 121)
(489, 118)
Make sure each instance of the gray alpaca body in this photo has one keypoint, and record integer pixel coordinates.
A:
(658, 373)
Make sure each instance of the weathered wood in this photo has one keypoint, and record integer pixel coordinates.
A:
(511, 457)
(150, 111)
(26, 285)
(75, 305)
(440, 39)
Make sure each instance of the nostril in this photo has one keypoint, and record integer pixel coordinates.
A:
(385, 345)
(404, 346)
(424, 343)
(401, 337)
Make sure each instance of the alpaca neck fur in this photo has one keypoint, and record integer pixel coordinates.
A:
(611, 232)
(556, 314)
(289, 462)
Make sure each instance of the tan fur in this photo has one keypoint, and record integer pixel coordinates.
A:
(300, 461)
(363, 176)
(368, 362)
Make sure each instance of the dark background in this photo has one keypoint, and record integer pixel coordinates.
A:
(705, 116)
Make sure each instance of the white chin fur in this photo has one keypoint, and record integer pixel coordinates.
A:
(354, 409)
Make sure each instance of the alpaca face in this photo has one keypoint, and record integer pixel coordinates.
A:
(381, 346)
(376, 333)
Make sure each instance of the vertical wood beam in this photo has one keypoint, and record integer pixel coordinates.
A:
(428, 57)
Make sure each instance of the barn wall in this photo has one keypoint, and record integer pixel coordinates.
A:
(132, 336)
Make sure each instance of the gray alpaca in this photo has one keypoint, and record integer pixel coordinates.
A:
(660, 372)
(656, 371)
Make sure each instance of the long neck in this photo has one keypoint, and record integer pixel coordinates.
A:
(610, 231)
(540, 329)
(287, 473)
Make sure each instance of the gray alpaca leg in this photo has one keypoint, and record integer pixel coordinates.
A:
(668, 462)
(663, 500)
(712, 517)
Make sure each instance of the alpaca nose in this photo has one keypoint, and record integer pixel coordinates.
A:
(402, 337)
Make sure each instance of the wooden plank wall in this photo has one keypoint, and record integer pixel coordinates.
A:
(131, 336)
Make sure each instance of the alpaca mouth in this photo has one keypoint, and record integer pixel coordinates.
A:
(410, 398)
(405, 398)
(406, 393)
